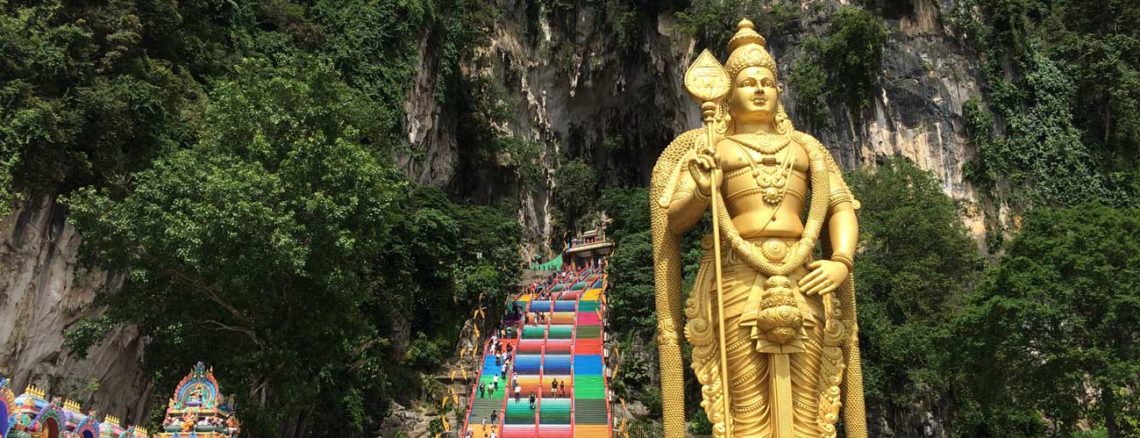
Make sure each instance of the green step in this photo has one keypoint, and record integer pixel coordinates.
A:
(589, 411)
(534, 332)
(489, 380)
(554, 411)
(482, 408)
(587, 306)
(589, 332)
(519, 413)
(561, 332)
(589, 387)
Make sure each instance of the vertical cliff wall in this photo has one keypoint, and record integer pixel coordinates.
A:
(575, 85)
(45, 292)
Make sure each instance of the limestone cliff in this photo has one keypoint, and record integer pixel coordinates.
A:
(45, 292)
(575, 88)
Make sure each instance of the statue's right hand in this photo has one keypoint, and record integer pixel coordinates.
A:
(705, 169)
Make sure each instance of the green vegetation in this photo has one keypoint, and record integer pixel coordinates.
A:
(915, 265)
(1061, 83)
(841, 65)
(1052, 327)
(282, 246)
(575, 191)
(235, 161)
(713, 22)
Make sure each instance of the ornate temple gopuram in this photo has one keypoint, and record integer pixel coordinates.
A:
(33, 415)
(198, 409)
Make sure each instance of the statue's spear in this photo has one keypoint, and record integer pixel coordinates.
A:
(708, 83)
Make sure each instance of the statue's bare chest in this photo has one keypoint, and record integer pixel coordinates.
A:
(752, 155)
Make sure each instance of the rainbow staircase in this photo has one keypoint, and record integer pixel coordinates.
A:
(566, 348)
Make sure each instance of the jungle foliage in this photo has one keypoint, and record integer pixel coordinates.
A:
(235, 160)
(840, 65)
(1060, 121)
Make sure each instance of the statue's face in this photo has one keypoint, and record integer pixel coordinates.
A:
(755, 96)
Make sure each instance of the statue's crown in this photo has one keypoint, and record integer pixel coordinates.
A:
(746, 49)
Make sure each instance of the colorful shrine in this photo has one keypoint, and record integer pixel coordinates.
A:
(198, 409)
(33, 415)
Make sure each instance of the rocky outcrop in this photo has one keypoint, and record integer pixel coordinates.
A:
(573, 87)
(45, 292)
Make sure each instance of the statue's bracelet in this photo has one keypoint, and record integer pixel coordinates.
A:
(846, 261)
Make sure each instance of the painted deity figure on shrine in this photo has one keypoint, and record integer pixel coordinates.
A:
(773, 328)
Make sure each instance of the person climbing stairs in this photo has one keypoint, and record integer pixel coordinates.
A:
(566, 348)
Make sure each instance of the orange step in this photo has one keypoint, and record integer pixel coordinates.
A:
(591, 431)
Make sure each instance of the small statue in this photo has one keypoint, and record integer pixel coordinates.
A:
(773, 331)
(196, 394)
(189, 419)
(232, 426)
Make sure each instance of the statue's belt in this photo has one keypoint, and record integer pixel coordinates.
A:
(775, 249)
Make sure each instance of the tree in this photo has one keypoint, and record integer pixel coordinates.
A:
(632, 278)
(914, 265)
(257, 249)
(1054, 326)
(628, 208)
(575, 191)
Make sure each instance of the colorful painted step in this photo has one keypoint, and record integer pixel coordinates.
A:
(555, 411)
(588, 346)
(589, 387)
(589, 331)
(565, 331)
(590, 430)
(554, 431)
(563, 317)
(528, 363)
(519, 413)
(556, 364)
(516, 431)
(590, 411)
(534, 332)
(567, 349)
(589, 318)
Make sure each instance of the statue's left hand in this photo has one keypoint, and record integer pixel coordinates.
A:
(825, 276)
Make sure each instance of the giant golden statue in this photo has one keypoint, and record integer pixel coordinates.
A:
(764, 315)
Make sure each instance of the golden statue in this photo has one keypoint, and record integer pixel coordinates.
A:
(763, 315)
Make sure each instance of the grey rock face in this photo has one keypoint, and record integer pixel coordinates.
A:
(45, 292)
(576, 90)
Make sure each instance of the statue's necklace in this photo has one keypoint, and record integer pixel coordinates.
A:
(765, 144)
(771, 173)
